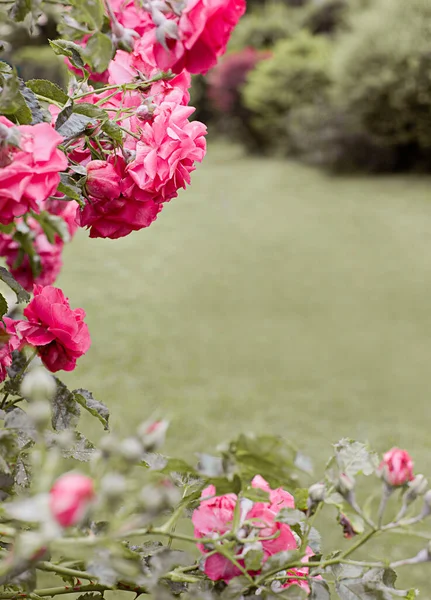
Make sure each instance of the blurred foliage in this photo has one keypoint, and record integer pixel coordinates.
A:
(382, 72)
(265, 26)
(225, 84)
(297, 74)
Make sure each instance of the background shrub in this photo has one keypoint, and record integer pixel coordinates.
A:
(382, 73)
(297, 74)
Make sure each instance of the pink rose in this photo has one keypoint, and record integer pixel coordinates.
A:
(30, 173)
(279, 498)
(194, 40)
(214, 518)
(397, 467)
(58, 332)
(103, 181)
(20, 266)
(9, 341)
(300, 572)
(70, 497)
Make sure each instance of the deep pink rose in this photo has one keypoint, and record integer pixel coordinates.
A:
(397, 467)
(103, 181)
(30, 173)
(58, 332)
(70, 497)
(9, 341)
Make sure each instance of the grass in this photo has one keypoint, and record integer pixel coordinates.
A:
(268, 297)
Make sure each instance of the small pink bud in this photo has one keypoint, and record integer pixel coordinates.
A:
(153, 434)
(396, 467)
(70, 497)
(103, 181)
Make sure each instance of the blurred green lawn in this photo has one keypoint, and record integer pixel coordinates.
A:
(268, 297)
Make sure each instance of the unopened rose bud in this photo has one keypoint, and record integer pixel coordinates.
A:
(38, 384)
(396, 468)
(131, 449)
(153, 434)
(145, 111)
(417, 487)
(103, 181)
(345, 484)
(129, 155)
(124, 38)
(70, 498)
(316, 493)
(39, 412)
(113, 486)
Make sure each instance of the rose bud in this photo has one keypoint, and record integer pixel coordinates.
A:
(345, 484)
(316, 493)
(103, 181)
(153, 434)
(70, 497)
(396, 468)
(417, 487)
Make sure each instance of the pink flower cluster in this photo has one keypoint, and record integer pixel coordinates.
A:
(58, 332)
(193, 39)
(396, 467)
(29, 168)
(214, 517)
(126, 192)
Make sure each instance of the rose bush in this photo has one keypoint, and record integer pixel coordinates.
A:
(107, 157)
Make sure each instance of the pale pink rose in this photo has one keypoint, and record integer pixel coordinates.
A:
(30, 173)
(397, 467)
(215, 515)
(103, 180)
(279, 498)
(9, 341)
(70, 497)
(58, 332)
(301, 572)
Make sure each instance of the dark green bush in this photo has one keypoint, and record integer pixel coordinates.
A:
(265, 26)
(382, 72)
(296, 75)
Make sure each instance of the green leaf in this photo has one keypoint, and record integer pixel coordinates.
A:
(53, 226)
(90, 12)
(74, 126)
(315, 540)
(89, 110)
(12, 101)
(113, 131)
(291, 516)
(80, 449)
(301, 498)
(5, 68)
(253, 558)
(352, 458)
(48, 90)
(320, 590)
(69, 49)
(21, 294)
(20, 10)
(256, 494)
(64, 114)
(65, 409)
(37, 115)
(280, 560)
(98, 52)
(3, 307)
(94, 407)
(68, 187)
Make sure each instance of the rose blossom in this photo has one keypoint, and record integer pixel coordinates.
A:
(103, 181)
(70, 497)
(194, 40)
(30, 173)
(58, 332)
(20, 266)
(214, 517)
(396, 467)
(9, 341)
